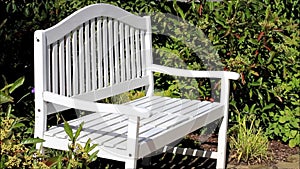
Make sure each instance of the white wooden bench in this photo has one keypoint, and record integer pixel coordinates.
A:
(101, 51)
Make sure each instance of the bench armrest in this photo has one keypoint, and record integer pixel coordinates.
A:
(193, 73)
(93, 106)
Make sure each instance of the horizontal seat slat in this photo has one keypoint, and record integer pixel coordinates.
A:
(200, 110)
(145, 121)
(146, 101)
(100, 136)
(57, 130)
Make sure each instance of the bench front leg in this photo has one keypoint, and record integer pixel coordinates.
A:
(132, 142)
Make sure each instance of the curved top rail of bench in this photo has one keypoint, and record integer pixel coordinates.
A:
(90, 12)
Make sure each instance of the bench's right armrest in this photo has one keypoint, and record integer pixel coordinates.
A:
(193, 73)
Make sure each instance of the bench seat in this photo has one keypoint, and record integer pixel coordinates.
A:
(170, 119)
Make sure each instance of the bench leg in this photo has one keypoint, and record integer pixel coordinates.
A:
(222, 144)
(132, 142)
(130, 164)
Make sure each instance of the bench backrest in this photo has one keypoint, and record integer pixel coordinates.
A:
(99, 49)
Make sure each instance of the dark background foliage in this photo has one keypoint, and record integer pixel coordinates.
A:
(258, 39)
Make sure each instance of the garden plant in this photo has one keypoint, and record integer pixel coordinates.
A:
(258, 39)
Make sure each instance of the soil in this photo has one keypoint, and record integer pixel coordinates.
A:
(278, 152)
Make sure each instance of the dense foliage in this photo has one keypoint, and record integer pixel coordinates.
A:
(258, 39)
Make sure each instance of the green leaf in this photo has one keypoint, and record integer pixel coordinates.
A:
(78, 131)
(93, 146)
(293, 142)
(293, 133)
(269, 106)
(87, 145)
(295, 124)
(68, 130)
(4, 98)
(94, 155)
(18, 125)
(32, 141)
(17, 84)
(282, 119)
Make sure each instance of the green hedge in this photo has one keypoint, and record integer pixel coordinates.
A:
(258, 39)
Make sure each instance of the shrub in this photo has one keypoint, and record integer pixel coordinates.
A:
(13, 150)
(248, 141)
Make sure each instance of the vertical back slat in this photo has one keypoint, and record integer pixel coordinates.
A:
(132, 53)
(110, 51)
(137, 53)
(54, 68)
(105, 53)
(143, 52)
(68, 66)
(81, 61)
(49, 68)
(116, 52)
(122, 57)
(93, 55)
(99, 53)
(61, 71)
(87, 57)
(75, 74)
(127, 52)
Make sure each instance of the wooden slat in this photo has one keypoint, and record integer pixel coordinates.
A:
(68, 66)
(116, 52)
(117, 89)
(75, 66)
(127, 53)
(143, 53)
(54, 68)
(81, 61)
(122, 52)
(99, 53)
(105, 53)
(61, 69)
(49, 67)
(132, 53)
(110, 52)
(137, 53)
(87, 56)
(93, 55)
